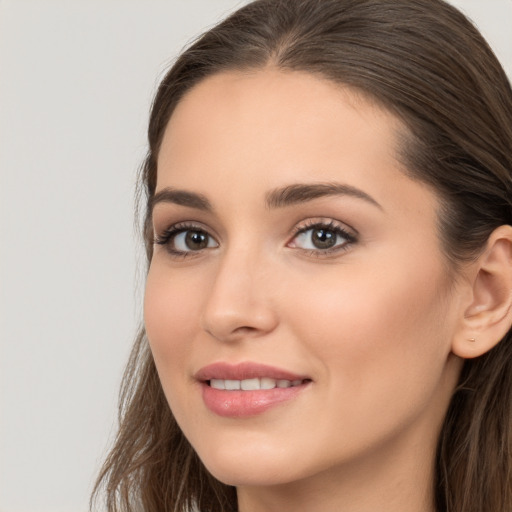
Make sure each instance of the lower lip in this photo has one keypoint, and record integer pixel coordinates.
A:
(244, 404)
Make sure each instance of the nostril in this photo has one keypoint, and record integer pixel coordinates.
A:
(233, 327)
(245, 329)
(237, 308)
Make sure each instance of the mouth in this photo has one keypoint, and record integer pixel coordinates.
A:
(248, 389)
(255, 384)
(248, 376)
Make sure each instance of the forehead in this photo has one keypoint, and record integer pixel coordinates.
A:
(235, 136)
(270, 117)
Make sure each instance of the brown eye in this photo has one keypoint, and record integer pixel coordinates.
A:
(196, 240)
(192, 240)
(323, 238)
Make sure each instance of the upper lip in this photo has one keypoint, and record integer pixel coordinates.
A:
(245, 370)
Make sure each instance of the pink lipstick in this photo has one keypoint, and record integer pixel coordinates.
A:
(247, 389)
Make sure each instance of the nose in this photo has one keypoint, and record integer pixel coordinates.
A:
(240, 304)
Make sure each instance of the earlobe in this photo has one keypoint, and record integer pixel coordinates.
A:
(488, 316)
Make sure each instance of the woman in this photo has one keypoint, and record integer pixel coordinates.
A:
(328, 300)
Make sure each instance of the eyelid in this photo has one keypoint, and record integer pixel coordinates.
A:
(159, 232)
(327, 222)
(164, 237)
(348, 233)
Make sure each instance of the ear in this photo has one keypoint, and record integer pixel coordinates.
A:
(488, 311)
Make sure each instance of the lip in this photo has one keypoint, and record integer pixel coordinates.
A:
(245, 370)
(244, 404)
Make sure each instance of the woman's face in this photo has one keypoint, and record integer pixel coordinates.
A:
(295, 259)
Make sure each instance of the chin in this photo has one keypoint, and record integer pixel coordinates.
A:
(244, 476)
(239, 469)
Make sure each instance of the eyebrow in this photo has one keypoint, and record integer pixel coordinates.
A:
(279, 198)
(299, 193)
(182, 198)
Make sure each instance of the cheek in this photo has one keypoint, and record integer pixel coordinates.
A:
(379, 350)
(170, 316)
(372, 333)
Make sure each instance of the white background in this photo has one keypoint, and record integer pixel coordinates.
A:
(76, 80)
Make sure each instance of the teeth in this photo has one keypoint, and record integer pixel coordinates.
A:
(232, 384)
(217, 384)
(267, 383)
(250, 384)
(253, 384)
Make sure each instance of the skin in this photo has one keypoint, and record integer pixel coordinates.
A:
(371, 323)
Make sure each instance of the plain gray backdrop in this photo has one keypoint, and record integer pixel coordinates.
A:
(76, 81)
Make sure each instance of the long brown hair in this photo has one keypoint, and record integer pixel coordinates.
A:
(425, 62)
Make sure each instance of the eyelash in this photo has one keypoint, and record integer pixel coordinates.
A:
(330, 226)
(166, 237)
(172, 232)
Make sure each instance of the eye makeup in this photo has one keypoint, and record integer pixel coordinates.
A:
(322, 237)
(318, 237)
(185, 239)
